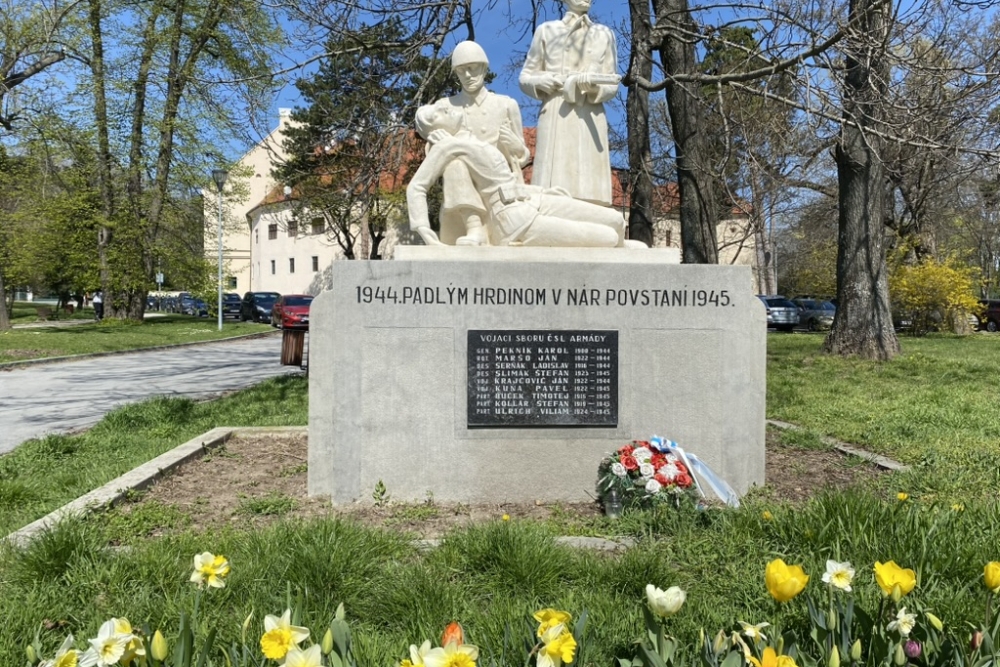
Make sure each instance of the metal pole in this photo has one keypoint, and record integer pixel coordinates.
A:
(220, 259)
(219, 176)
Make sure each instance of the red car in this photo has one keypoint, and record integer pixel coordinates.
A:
(291, 311)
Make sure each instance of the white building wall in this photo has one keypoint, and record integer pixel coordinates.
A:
(297, 259)
(236, 237)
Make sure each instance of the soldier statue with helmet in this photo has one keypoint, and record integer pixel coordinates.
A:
(494, 119)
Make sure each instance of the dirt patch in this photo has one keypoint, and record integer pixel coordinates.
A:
(255, 479)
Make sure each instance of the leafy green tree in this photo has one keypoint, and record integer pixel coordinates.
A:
(351, 147)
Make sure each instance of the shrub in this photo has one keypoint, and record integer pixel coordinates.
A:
(936, 296)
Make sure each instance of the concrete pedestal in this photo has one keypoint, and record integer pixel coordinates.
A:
(390, 374)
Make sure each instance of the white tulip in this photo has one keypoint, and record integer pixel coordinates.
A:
(665, 603)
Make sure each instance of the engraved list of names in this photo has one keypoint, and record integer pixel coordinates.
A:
(521, 378)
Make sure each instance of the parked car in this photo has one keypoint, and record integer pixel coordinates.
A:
(194, 306)
(256, 306)
(291, 311)
(782, 314)
(815, 314)
(989, 319)
(231, 305)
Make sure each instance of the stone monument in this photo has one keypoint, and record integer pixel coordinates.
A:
(503, 369)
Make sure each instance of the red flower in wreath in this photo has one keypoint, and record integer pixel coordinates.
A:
(662, 479)
(626, 450)
(630, 463)
(658, 460)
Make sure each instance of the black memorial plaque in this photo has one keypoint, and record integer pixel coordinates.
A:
(556, 378)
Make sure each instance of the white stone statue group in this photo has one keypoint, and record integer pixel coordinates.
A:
(476, 143)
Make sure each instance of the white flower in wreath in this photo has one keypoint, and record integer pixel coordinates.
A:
(670, 458)
(670, 471)
(647, 470)
(642, 454)
(653, 487)
(618, 470)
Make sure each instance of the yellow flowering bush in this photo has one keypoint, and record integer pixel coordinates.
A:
(934, 295)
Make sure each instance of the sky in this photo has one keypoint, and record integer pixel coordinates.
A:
(506, 44)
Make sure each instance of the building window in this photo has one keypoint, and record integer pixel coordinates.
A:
(272, 231)
(291, 265)
(231, 281)
(272, 267)
(318, 225)
(256, 236)
(315, 263)
(293, 228)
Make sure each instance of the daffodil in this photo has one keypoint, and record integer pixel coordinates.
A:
(107, 648)
(210, 569)
(416, 655)
(891, 577)
(548, 618)
(839, 575)
(452, 655)
(991, 575)
(66, 656)
(664, 603)
(904, 623)
(767, 516)
(753, 632)
(135, 647)
(784, 581)
(453, 633)
(770, 658)
(558, 647)
(902, 497)
(311, 657)
(280, 635)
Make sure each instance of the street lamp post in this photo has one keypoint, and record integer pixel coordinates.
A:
(220, 176)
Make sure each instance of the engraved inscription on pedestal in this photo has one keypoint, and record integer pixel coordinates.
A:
(558, 378)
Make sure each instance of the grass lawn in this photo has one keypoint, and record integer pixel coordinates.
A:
(113, 335)
(25, 312)
(492, 576)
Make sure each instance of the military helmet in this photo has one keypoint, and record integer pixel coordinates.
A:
(466, 53)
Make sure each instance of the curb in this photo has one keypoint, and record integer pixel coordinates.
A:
(151, 471)
(844, 448)
(12, 365)
(141, 477)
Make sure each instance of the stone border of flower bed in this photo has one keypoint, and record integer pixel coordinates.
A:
(149, 472)
(142, 476)
(844, 448)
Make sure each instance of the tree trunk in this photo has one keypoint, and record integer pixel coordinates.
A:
(699, 211)
(863, 324)
(640, 158)
(104, 160)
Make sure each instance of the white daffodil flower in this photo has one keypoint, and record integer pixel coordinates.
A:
(904, 623)
(558, 647)
(753, 632)
(311, 657)
(66, 656)
(107, 648)
(665, 603)
(280, 636)
(839, 575)
(452, 655)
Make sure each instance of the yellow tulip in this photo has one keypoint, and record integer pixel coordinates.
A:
(784, 581)
(770, 658)
(991, 575)
(893, 579)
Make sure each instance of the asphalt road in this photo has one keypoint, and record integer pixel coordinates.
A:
(69, 395)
